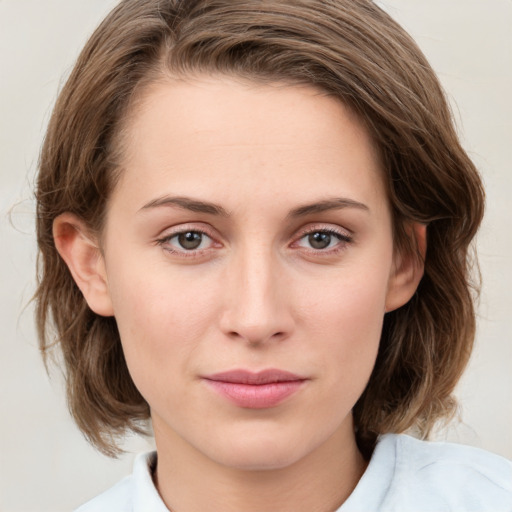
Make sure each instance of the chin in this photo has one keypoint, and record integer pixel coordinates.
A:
(259, 452)
(258, 459)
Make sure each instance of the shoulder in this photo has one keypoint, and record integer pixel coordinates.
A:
(425, 458)
(451, 476)
(407, 474)
(117, 498)
(135, 493)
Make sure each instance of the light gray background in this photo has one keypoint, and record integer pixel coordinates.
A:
(45, 465)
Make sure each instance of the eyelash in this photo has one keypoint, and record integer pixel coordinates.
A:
(195, 253)
(343, 241)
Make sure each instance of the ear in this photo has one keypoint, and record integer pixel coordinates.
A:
(83, 257)
(407, 268)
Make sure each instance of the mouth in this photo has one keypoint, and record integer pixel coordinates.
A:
(255, 390)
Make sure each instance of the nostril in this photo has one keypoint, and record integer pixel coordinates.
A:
(256, 338)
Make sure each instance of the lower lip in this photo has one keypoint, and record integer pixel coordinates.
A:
(260, 396)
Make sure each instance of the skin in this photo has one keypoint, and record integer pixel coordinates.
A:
(255, 294)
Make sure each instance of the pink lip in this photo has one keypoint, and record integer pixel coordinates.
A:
(259, 390)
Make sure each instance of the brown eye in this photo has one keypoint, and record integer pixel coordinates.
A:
(187, 242)
(190, 240)
(324, 241)
(319, 240)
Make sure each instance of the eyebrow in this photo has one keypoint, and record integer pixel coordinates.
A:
(195, 205)
(187, 203)
(326, 205)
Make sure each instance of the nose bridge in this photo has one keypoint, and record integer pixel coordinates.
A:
(256, 308)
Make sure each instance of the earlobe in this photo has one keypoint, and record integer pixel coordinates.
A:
(407, 269)
(84, 260)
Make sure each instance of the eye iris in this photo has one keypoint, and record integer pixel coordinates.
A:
(319, 240)
(190, 240)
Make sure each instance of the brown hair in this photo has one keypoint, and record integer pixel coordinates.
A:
(349, 48)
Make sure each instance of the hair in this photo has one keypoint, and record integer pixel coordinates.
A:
(350, 49)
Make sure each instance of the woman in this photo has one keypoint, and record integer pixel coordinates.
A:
(254, 221)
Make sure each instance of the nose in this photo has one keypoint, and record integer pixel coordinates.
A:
(257, 302)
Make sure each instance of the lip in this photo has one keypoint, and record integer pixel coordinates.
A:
(255, 390)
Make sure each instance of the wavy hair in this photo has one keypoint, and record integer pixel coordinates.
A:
(350, 49)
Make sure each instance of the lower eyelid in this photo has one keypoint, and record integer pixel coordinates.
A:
(343, 239)
(165, 240)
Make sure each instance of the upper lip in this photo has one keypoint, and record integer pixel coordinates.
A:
(269, 376)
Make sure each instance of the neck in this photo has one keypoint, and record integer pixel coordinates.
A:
(321, 481)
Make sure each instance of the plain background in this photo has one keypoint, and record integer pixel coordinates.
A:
(45, 464)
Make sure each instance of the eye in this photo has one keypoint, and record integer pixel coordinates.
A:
(320, 240)
(186, 241)
(190, 240)
(323, 240)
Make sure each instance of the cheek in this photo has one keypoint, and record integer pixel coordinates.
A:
(352, 300)
(161, 316)
(345, 316)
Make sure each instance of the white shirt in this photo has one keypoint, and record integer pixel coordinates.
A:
(404, 475)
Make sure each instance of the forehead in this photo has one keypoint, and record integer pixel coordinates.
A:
(220, 133)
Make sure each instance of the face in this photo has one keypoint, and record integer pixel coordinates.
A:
(249, 262)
